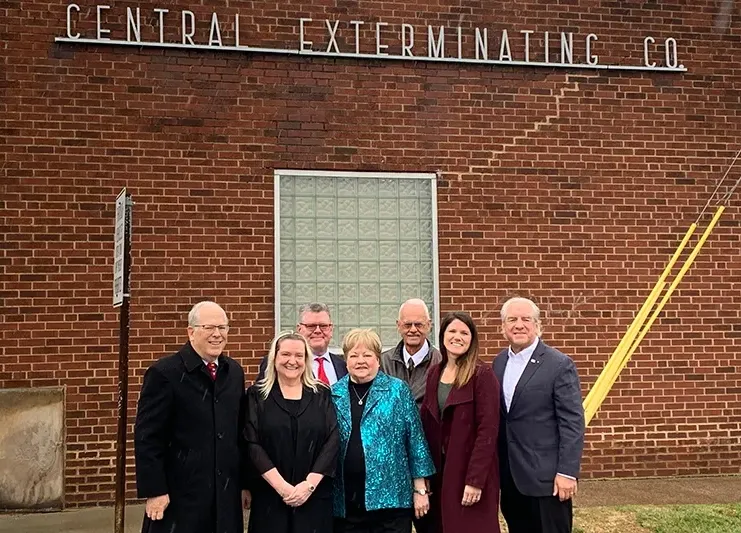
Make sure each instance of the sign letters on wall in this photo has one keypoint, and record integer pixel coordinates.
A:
(376, 40)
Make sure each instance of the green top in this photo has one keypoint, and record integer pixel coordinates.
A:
(443, 389)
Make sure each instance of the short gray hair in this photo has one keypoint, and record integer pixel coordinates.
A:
(314, 307)
(193, 314)
(518, 299)
(415, 301)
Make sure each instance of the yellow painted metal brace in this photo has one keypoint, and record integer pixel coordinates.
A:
(640, 326)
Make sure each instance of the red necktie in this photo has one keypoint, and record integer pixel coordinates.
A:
(212, 368)
(322, 375)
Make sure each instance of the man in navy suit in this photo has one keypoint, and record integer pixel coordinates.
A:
(541, 433)
(315, 325)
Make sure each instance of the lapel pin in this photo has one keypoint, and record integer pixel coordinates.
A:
(534, 361)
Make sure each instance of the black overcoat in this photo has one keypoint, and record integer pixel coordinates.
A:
(187, 443)
(270, 445)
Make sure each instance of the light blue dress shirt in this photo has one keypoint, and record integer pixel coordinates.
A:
(513, 371)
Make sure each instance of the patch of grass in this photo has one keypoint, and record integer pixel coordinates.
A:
(657, 519)
(690, 518)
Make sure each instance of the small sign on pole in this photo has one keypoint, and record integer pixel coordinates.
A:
(119, 240)
(121, 297)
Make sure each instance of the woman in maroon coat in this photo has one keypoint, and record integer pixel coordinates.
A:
(460, 416)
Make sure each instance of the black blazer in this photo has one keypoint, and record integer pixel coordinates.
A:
(340, 367)
(296, 445)
(542, 434)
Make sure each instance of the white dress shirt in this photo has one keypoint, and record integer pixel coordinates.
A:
(417, 357)
(328, 367)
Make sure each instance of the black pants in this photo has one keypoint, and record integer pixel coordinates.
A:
(381, 521)
(421, 525)
(529, 514)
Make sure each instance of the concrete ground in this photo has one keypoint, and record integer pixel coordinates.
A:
(591, 493)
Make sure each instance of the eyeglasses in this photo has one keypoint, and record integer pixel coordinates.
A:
(210, 328)
(312, 327)
(410, 325)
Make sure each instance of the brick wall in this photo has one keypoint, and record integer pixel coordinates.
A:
(571, 186)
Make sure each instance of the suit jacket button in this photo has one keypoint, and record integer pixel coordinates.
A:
(219, 435)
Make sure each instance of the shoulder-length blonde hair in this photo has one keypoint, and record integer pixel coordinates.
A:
(265, 385)
(467, 362)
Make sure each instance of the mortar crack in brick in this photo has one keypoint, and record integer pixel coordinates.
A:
(547, 121)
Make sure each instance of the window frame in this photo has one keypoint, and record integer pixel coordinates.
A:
(278, 173)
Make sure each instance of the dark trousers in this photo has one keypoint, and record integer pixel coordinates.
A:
(529, 514)
(381, 521)
(421, 525)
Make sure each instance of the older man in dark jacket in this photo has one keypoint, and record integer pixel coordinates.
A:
(187, 434)
(541, 432)
(414, 355)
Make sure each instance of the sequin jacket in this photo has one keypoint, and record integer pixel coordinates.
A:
(394, 444)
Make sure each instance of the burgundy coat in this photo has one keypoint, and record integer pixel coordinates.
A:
(467, 431)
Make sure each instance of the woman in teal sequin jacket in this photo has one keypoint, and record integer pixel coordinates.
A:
(384, 456)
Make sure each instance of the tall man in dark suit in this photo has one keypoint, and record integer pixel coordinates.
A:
(315, 325)
(541, 435)
(187, 434)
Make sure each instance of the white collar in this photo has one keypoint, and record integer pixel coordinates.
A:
(417, 357)
(324, 356)
(525, 353)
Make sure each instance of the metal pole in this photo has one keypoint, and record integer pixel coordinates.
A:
(123, 379)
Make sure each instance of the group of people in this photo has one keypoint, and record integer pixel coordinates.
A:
(368, 441)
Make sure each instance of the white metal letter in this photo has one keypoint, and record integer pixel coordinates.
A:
(332, 33)
(379, 46)
(567, 48)
(435, 49)
(303, 43)
(592, 59)
(215, 30)
(526, 34)
(670, 52)
(504, 50)
(188, 35)
(162, 22)
(646, 42)
(134, 25)
(236, 30)
(101, 30)
(406, 50)
(547, 47)
(357, 24)
(69, 21)
(482, 44)
(460, 42)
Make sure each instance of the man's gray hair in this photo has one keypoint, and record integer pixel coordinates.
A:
(518, 299)
(193, 314)
(415, 301)
(314, 307)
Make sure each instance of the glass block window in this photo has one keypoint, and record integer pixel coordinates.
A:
(361, 242)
